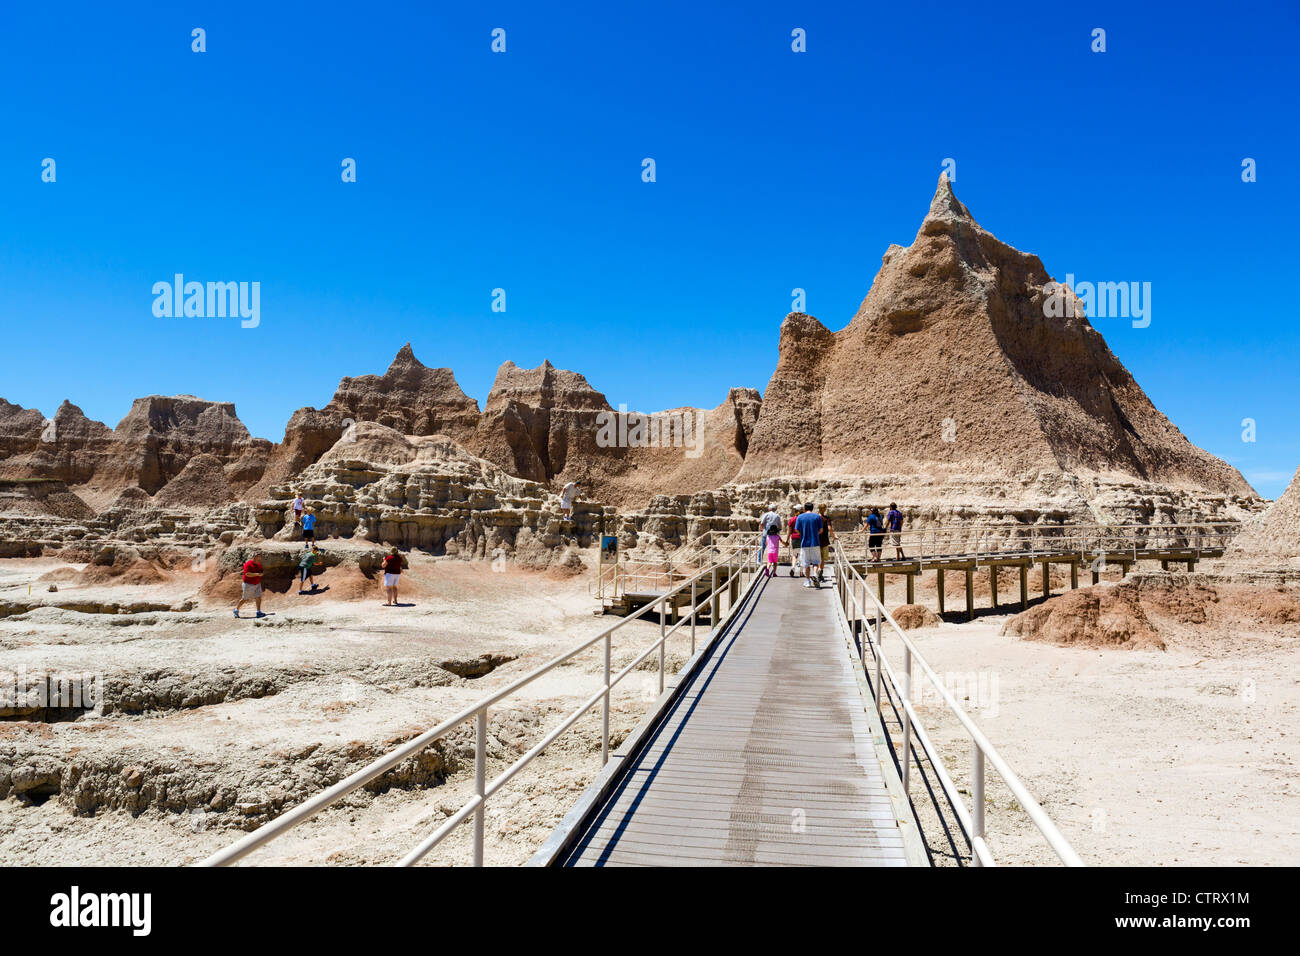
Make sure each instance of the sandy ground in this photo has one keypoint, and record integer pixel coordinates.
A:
(1184, 756)
(260, 714)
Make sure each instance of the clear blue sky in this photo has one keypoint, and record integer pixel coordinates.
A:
(522, 171)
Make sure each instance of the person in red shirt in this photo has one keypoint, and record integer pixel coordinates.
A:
(792, 542)
(252, 584)
(392, 576)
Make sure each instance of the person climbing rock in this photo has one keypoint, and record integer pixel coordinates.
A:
(567, 497)
(305, 565)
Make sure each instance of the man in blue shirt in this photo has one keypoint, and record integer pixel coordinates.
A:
(894, 522)
(875, 533)
(309, 526)
(809, 526)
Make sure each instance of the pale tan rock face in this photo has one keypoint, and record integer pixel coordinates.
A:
(150, 447)
(1271, 539)
(409, 398)
(951, 367)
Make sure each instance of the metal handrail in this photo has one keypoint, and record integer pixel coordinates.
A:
(736, 564)
(850, 585)
(987, 542)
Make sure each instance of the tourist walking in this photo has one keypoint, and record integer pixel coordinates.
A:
(792, 542)
(809, 525)
(305, 566)
(770, 526)
(568, 496)
(894, 524)
(875, 526)
(824, 540)
(309, 525)
(392, 576)
(251, 584)
(298, 505)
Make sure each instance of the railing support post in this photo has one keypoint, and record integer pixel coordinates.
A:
(907, 722)
(663, 638)
(694, 614)
(715, 599)
(880, 656)
(604, 716)
(480, 781)
(977, 801)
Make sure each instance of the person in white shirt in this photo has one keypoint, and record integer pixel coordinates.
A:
(298, 505)
(567, 497)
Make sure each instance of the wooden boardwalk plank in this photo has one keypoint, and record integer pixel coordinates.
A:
(766, 758)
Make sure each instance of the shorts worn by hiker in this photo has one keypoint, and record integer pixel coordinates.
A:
(810, 557)
(251, 592)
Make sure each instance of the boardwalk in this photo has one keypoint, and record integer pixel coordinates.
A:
(765, 756)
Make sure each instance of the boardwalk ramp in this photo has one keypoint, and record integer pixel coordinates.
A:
(767, 751)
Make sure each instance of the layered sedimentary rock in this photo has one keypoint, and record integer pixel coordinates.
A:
(427, 492)
(409, 398)
(955, 368)
(969, 387)
(1271, 539)
(161, 434)
(536, 421)
(151, 446)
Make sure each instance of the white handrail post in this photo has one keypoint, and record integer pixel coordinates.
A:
(977, 802)
(480, 781)
(694, 614)
(907, 721)
(880, 656)
(663, 638)
(604, 716)
(715, 599)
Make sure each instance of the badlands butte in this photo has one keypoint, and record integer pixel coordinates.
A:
(952, 391)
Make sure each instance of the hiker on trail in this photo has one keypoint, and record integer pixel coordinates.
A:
(894, 524)
(309, 558)
(875, 527)
(824, 542)
(298, 505)
(770, 528)
(792, 542)
(392, 575)
(567, 497)
(251, 584)
(809, 526)
(309, 525)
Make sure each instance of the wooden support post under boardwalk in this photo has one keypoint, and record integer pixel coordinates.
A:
(1024, 587)
(1191, 566)
(993, 586)
(1164, 565)
(1123, 569)
(1047, 580)
(911, 588)
(939, 571)
(1096, 576)
(1074, 574)
(880, 586)
(970, 594)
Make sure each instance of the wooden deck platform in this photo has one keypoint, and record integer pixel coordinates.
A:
(766, 755)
